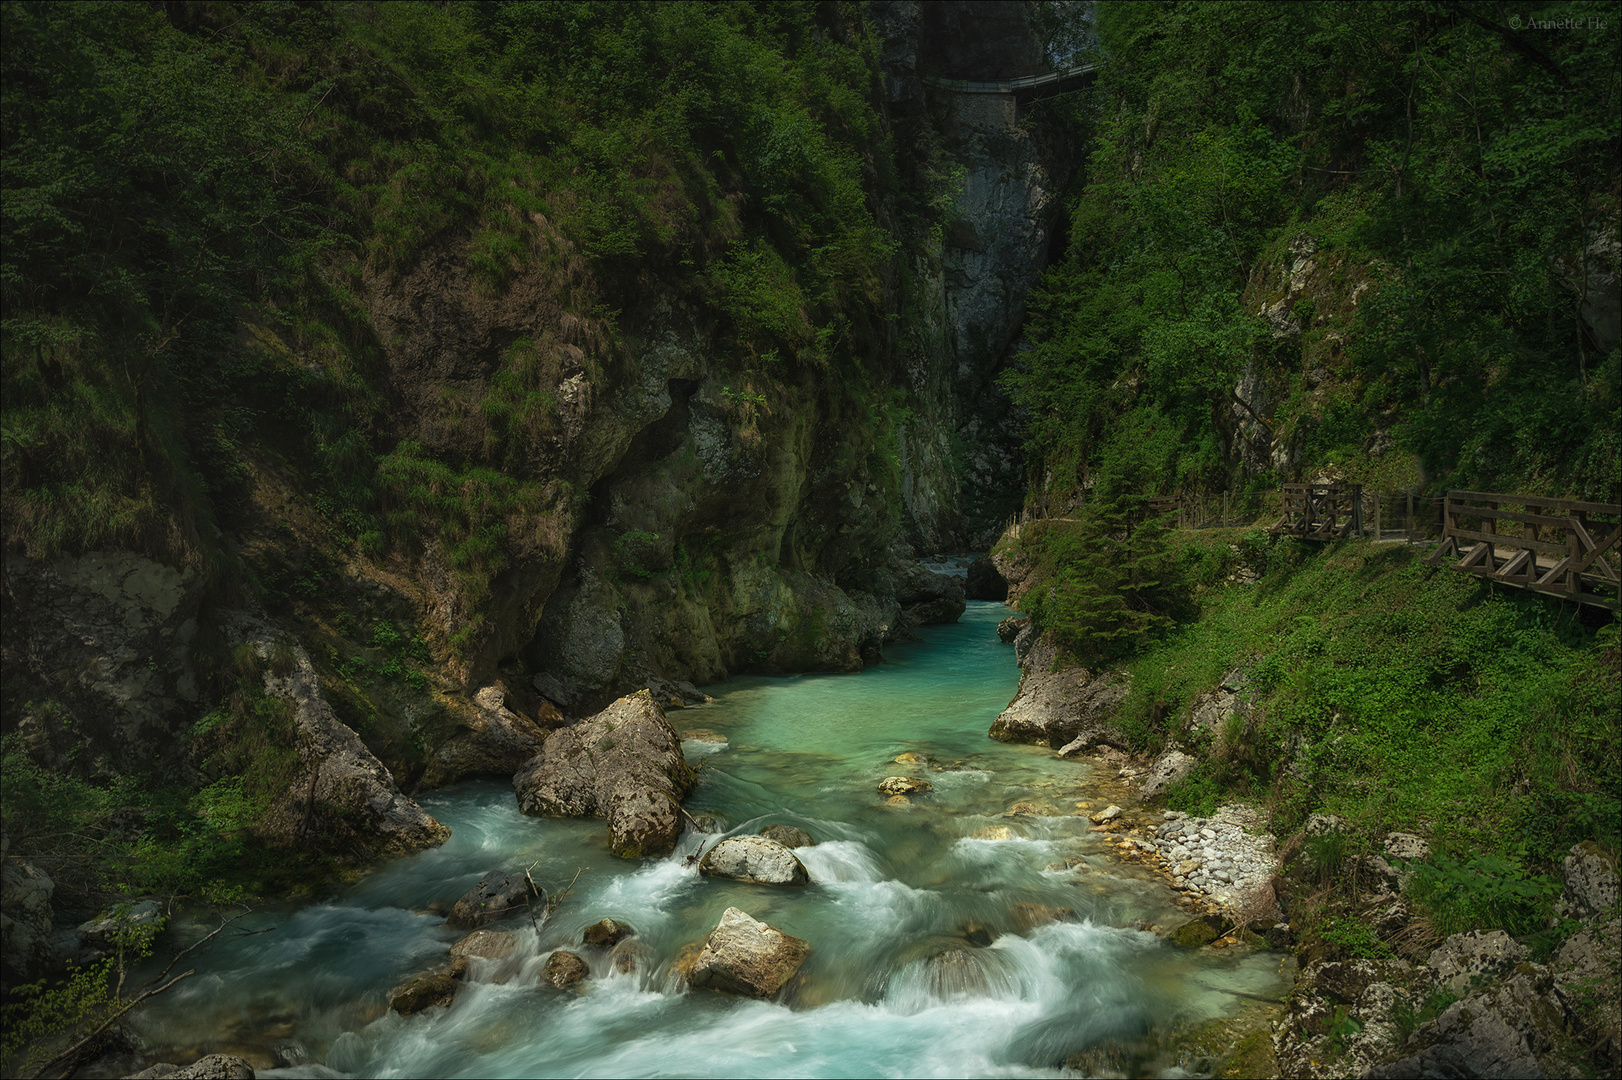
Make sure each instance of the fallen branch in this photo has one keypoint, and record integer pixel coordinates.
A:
(71, 1053)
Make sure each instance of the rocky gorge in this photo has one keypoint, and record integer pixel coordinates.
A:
(522, 526)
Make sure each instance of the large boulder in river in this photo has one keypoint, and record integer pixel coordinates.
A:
(1057, 705)
(625, 764)
(755, 859)
(496, 896)
(743, 956)
(788, 836)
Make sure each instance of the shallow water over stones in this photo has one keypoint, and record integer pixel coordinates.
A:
(977, 928)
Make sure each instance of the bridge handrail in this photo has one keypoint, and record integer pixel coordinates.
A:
(1008, 86)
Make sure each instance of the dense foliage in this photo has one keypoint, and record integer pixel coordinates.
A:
(200, 198)
(1364, 227)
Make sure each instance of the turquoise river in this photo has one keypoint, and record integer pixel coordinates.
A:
(893, 887)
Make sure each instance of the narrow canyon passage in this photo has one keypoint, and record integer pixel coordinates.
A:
(934, 951)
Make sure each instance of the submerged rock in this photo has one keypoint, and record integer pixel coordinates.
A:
(955, 972)
(903, 785)
(993, 832)
(1028, 915)
(485, 945)
(788, 836)
(755, 859)
(747, 957)
(496, 896)
(1109, 813)
(703, 735)
(1197, 933)
(564, 969)
(624, 764)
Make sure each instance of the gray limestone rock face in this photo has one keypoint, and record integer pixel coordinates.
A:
(927, 597)
(1406, 846)
(25, 920)
(625, 765)
(1169, 768)
(1464, 958)
(747, 957)
(1505, 1031)
(1591, 881)
(1054, 706)
(100, 664)
(755, 859)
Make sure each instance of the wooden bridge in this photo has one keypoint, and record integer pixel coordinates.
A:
(1320, 511)
(1562, 547)
(1028, 88)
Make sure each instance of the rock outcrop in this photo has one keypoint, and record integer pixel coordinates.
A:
(985, 581)
(97, 657)
(25, 921)
(625, 765)
(1170, 768)
(493, 740)
(755, 859)
(747, 957)
(1058, 706)
(342, 793)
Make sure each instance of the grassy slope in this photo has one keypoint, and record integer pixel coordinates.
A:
(1399, 696)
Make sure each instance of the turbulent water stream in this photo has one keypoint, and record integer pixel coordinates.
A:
(893, 886)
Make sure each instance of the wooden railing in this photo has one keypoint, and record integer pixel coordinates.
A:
(1563, 547)
(1320, 511)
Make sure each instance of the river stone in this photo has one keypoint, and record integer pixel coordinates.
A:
(630, 956)
(788, 836)
(485, 945)
(492, 738)
(1028, 915)
(898, 800)
(496, 896)
(423, 992)
(755, 859)
(213, 1067)
(624, 764)
(993, 832)
(909, 758)
(743, 956)
(903, 785)
(1109, 813)
(1026, 808)
(564, 969)
(605, 933)
(1197, 932)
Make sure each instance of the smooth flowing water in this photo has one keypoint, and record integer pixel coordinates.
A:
(894, 888)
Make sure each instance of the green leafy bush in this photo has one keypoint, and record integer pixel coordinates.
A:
(1484, 892)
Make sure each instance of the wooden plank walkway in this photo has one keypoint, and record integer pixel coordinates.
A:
(1562, 547)
(1027, 87)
